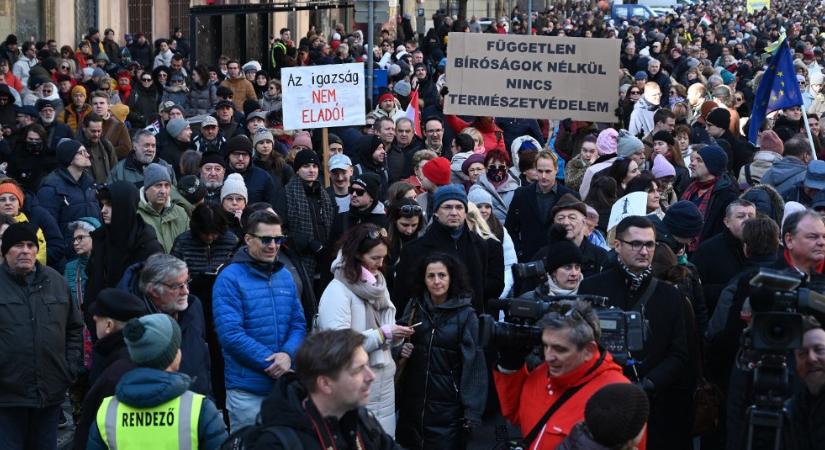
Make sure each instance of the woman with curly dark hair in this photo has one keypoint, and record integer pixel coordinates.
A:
(444, 380)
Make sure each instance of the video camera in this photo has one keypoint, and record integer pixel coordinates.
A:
(622, 332)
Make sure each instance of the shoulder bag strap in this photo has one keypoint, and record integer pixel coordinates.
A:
(651, 287)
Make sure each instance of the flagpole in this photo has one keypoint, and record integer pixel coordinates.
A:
(808, 130)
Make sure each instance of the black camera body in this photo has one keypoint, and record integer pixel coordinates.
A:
(622, 332)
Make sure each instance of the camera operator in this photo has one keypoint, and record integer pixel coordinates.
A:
(563, 264)
(574, 369)
(663, 367)
(807, 407)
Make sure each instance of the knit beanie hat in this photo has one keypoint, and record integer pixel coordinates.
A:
(305, 157)
(607, 142)
(155, 173)
(663, 136)
(263, 134)
(191, 188)
(662, 167)
(78, 88)
(17, 233)
(239, 143)
(770, 141)
(302, 139)
(153, 340)
(616, 413)
(334, 139)
(480, 197)
(9, 187)
(719, 117)
(212, 157)
(175, 126)
(628, 144)
(449, 192)
(465, 142)
(561, 251)
(683, 219)
(402, 88)
(234, 184)
(716, 160)
(66, 149)
(385, 96)
(437, 170)
(472, 159)
(371, 183)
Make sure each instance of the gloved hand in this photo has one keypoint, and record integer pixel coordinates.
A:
(647, 386)
(512, 358)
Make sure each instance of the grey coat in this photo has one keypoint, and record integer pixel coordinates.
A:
(201, 100)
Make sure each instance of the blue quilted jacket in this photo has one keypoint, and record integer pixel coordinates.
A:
(257, 313)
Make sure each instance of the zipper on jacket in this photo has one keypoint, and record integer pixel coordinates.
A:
(427, 377)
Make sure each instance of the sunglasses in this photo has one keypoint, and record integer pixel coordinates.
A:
(64, 67)
(497, 167)
(357, 192)
(146, 80)
(410, 210)
(377, 233)
(268, 240)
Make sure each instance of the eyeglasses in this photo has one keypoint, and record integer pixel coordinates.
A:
(179, 286)
(357, 192)
(410, 210)
(268, 240)
(434, 131)
(635, 93)
(377, 233)
(146, 80)
(79, 239)
(636, 246)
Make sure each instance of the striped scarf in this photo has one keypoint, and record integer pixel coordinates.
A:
(701, 201)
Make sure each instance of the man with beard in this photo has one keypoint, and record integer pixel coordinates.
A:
(144, 152)
(48, 115)
(712, 189)
(156, 207)
(662, 368)
(807, 408)
(180, 132)
(101, 151)
(213, 171)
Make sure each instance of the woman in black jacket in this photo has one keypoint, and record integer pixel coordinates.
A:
(445, 382)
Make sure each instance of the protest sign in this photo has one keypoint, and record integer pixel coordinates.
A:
(757, 5)
(633, 204)
(323, 96)
(538, 77)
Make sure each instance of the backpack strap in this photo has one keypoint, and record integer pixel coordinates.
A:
(748, 177)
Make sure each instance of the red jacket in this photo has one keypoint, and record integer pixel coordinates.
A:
(525, 398)
(492, 134)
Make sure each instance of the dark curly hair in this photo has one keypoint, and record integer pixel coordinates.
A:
(459, 279)
(357, 241)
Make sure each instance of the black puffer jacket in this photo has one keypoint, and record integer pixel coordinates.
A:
(201, 257)
(445, 382)
(289, 406)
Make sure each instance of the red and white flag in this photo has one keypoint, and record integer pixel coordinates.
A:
(413, 113)
(706, 20)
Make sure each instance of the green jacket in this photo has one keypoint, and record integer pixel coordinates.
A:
(167, 224)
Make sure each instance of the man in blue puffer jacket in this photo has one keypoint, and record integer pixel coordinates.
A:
(258, 319)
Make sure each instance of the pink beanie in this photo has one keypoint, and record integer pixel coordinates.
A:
(662, 167)
(607, 142)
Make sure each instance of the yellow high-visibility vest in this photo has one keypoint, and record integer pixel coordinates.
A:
(170, 425)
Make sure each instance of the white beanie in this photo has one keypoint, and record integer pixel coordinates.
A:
(234, 184)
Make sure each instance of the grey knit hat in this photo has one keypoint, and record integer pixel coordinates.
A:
(628, 144)
(155, 173)
(152, 341)
(175, 126)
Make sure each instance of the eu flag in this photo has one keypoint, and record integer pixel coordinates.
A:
(777, 90)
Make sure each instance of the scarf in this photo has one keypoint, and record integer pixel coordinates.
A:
(703, 201)
(555, 289)
(374, 295)
(635, 279)
(301, 220)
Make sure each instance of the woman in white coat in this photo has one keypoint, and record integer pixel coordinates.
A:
(357, 298)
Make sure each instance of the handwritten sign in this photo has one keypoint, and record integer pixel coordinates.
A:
(538, 77)
(323, 96)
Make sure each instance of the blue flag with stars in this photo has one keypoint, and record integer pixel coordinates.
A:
(777, 90)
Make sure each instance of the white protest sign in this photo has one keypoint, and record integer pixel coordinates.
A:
(323, 96)
(633, 204)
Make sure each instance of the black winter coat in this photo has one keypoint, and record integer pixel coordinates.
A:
(259, 185)
(289, 406)
(807, 412)
(484, 260)
(526, 227)
(718, 260)
(143, 105)
(201, 257)
(724, 191)
(40, 339)
(665, 360)
(445, 380)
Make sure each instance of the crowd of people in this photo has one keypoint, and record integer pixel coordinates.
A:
(179, 275)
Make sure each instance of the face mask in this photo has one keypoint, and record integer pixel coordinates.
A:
(496, 175)
(34, 147)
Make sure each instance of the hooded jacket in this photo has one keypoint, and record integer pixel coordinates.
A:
(641, 119)
(177, 94)
(502, 195)
(116, 246)
(168, 224)
(147, 388)
(68, 199)
(288, 405)
(257, 312)
(143, 105)
(445, 380)
(526, 396)
(785, 174)
(763, 160)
